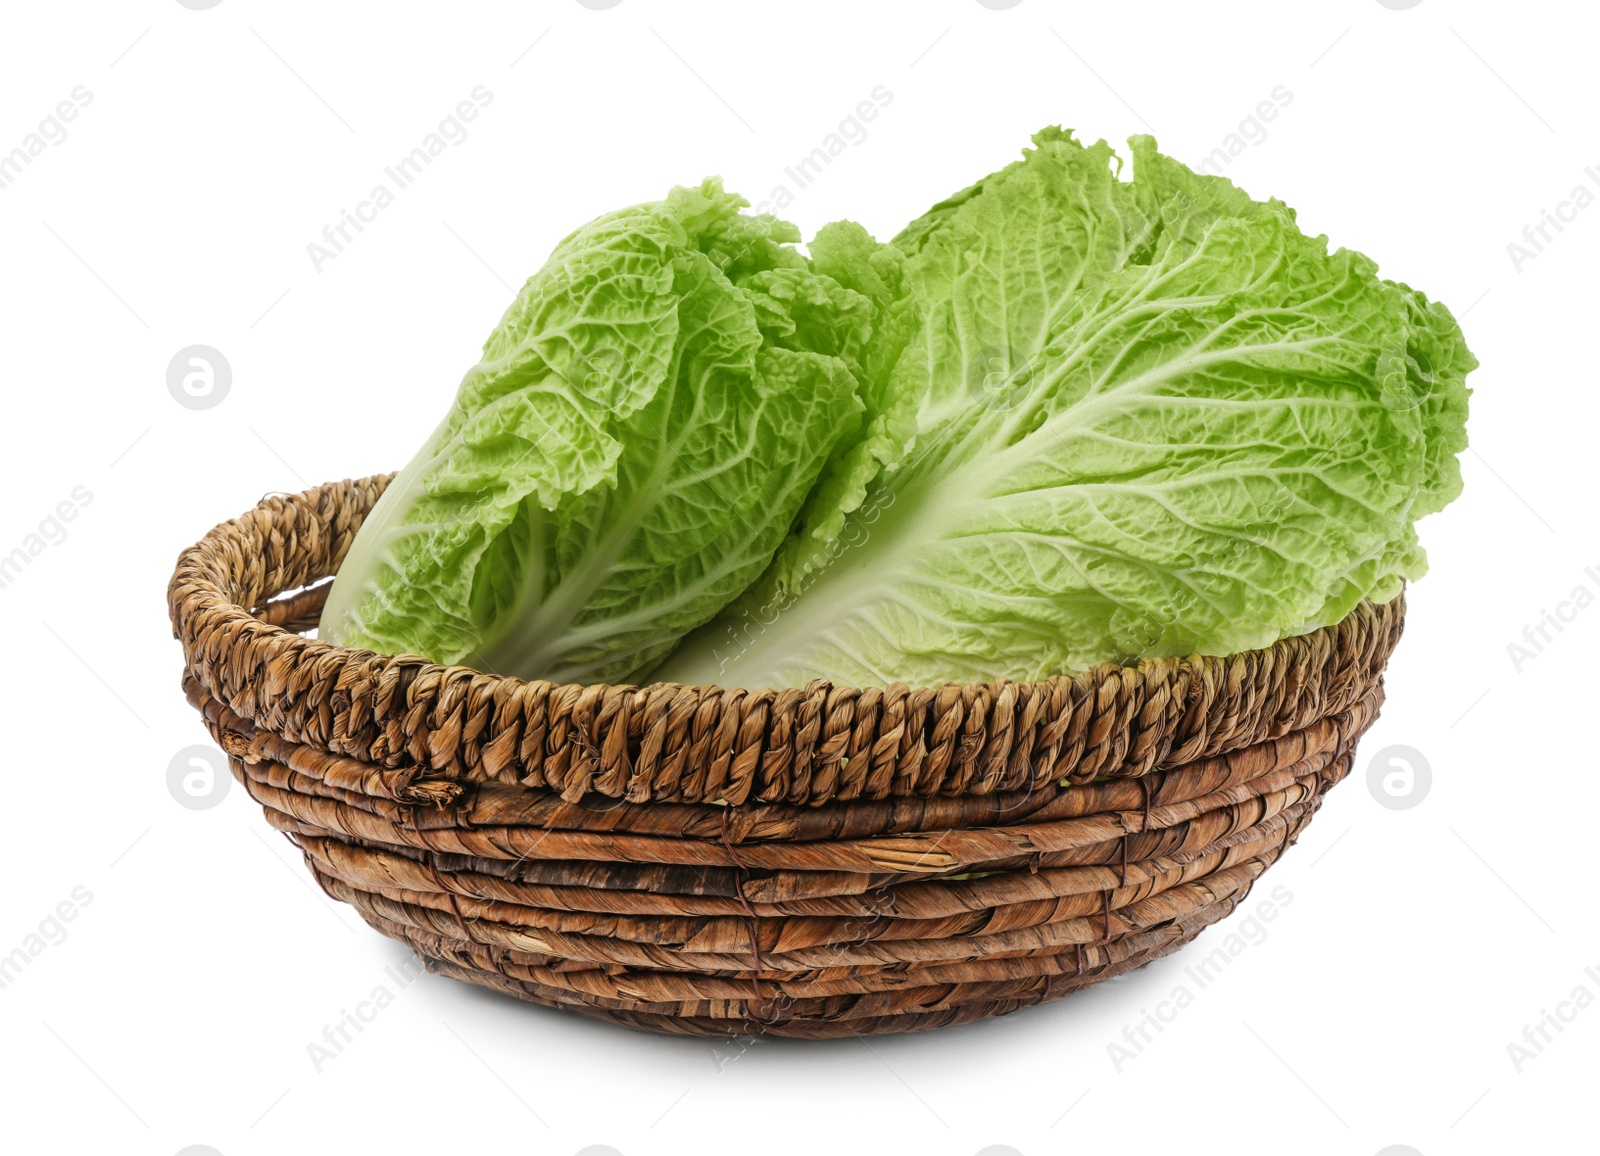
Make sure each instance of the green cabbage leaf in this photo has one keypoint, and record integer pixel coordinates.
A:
(646, 421)
(1125, 418)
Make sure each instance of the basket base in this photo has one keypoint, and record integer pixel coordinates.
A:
(973, 1007)
(482, 930)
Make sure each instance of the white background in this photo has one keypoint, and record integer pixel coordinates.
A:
(179, 1007)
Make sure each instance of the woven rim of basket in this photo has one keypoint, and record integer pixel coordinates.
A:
(713, 744)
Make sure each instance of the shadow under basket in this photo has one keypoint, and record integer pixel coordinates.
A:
(820, 862)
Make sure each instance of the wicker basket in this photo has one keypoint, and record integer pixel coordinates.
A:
(818, 862)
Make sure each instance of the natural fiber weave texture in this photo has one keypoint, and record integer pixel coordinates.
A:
(816, 862)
